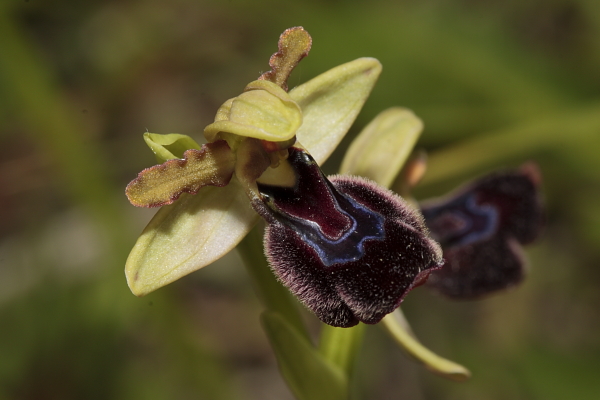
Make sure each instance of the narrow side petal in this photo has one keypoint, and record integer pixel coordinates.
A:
(330, 103)
(163, 184)
(188, 235)
(380, 150)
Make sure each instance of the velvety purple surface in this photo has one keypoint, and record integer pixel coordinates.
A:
(481, 228)
(359, 270)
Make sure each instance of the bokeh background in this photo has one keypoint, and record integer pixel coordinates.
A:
(497, 83)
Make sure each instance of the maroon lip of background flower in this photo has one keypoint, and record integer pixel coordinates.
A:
(347, 248)
(481, 228)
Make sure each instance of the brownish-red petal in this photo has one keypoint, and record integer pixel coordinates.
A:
(162, 184)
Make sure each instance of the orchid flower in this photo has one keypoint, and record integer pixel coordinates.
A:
(481, 227)
(349, 249)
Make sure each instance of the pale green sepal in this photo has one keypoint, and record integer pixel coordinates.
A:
(381, 149)
(306, 372)
(330, 103)
(169, 146)
(398, 327)
(188, 235)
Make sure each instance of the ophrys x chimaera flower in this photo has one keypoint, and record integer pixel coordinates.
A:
(347, 248)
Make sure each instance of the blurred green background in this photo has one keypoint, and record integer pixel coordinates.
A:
(496, 82)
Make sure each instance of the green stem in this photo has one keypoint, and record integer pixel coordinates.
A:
(340, 346)
(487, 150)
(273, 295)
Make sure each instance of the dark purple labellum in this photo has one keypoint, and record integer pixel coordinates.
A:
(334, 225)
(349, 249)
(480, 228)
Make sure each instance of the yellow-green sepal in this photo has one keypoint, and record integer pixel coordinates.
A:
(188, 235)
(381, 149)
(331, 102)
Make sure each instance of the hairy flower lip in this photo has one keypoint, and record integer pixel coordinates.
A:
(373, 272)
(481, 227)
(304, 213)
